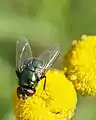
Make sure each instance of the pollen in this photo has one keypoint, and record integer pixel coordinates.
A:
(81, 65)
(56, 102)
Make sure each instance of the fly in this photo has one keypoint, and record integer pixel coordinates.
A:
(30, 70)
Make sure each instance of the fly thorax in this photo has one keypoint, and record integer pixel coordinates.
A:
(27, 78)
(23, 81)
(32, 79)
(37, 66)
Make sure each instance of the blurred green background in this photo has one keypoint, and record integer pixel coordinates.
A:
(44, 23)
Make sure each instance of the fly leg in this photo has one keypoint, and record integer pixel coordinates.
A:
(44, 83)
(18, 95)
(19, 92)
(24, 96)
(45, 86)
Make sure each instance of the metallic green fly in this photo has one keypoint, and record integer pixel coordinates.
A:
(30, 70)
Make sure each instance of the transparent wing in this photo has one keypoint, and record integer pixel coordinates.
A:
(23, 51)
(49, 57)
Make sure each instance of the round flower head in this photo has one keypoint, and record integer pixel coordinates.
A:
(81, 65)
(56, 102)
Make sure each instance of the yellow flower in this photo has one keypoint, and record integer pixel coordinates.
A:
(56, 102)
(81, 65)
